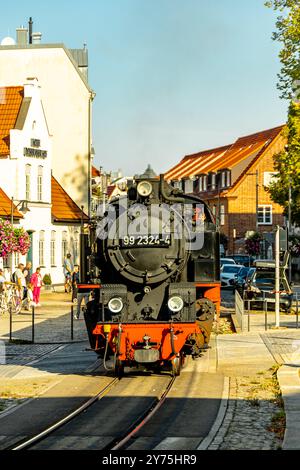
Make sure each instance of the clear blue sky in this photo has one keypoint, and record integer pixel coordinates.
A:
(172, 77)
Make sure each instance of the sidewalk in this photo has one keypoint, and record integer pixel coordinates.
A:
(247, 354)
(52, 321)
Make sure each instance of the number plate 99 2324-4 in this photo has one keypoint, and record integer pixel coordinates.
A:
(150, 241)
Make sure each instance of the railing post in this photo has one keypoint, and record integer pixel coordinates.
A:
(10, 323)
(249, 314)
(72, 323)
(297, 311)
(266, 312)
(32, 323)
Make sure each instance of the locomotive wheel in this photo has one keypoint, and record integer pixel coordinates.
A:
(119, 368)
(176, 363)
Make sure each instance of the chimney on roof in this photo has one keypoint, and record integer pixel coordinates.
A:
(30, 23)
(31, 87)
(22, 36)
(36, 38)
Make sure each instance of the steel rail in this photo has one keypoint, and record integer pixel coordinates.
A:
(141, 420)
(33, 440)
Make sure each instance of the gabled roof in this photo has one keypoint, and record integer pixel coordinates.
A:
(243, 149)
(64, 209)
(10, 103)
(5, 207)
(95, 172)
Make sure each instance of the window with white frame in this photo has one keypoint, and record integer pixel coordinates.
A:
(64, 245)
(213, 181)
(200, 184)
(41, 248)
(264, 214)
(222, 215)
(27, 182)
(223, 179)
(205, 183)
(188, 186)
(40, 183)
(228, 178)
(53, 248)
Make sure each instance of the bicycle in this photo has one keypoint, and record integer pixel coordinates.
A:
(13, 299)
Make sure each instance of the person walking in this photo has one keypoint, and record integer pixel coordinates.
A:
(75, 282)
(80, 295)
(68, 269)
(36, 281)
(19, 279)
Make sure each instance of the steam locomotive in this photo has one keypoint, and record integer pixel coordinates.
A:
(151, 259)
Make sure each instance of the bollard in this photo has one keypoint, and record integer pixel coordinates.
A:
(10, 323)
(32, 324)
(266, 314)
(249, 315)
(72, 323)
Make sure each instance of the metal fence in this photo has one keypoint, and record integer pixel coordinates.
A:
(245, 314)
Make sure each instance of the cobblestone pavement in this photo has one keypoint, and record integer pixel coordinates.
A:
(254, 418)
(253, 403)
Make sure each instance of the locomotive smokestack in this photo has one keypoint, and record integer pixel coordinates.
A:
(30, 23)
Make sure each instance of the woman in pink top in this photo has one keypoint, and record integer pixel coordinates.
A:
(36, 281)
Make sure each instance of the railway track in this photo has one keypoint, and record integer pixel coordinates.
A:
(51, 436)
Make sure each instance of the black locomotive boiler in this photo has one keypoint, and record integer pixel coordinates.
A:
(152, 262)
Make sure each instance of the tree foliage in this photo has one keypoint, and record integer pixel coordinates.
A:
(288, 33)
(287, 164)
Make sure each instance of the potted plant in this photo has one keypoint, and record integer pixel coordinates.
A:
(47, 281)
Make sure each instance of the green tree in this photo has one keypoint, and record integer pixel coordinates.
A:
(287, 164)
(288, 33)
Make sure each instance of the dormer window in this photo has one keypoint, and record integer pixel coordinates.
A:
(223, 179)
(200, 184)
(213, 181)
(205, 183)
(228, 178)
(188, 186)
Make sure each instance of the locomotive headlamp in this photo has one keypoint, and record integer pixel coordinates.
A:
(115, 305)
(144, 188)
(175, 303)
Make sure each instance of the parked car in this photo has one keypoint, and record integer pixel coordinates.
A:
(246, 260)
(242, 278)
(228, 273)
(226, 261)
(260, 287)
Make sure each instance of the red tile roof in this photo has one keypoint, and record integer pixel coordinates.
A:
(5, 207)
(10, 103)
(242, 150)
(95, 172)
(110, 189)
(63, 207)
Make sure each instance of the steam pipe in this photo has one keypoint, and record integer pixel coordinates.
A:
(164, 194)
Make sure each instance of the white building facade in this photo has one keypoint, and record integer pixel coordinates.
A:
(26, 175)
(67, 99)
